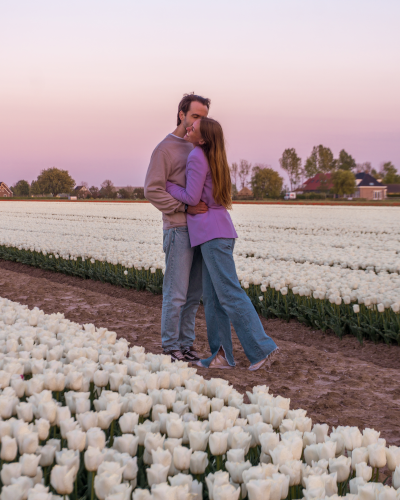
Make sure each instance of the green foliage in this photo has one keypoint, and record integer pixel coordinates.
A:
(311, 196)
(344, 182)
(389, 173)
(138, 193)
(266, 182)
(53, 181)
(321, 160)
(21, 188)
(291, 163)
(107, 190)
(94, 191)
(346, 161)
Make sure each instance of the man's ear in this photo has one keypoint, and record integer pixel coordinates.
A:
(181, 115)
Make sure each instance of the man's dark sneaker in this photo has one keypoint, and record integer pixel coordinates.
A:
(176, 355)
(190, 354)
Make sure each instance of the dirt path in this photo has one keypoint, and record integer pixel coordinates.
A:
(336, 381)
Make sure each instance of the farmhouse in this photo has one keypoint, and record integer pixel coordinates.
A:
(320, 183)
(245, 194)
(369, 188)
(82, 192)
(5, 191)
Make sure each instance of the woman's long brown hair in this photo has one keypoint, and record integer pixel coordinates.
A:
(214, 149)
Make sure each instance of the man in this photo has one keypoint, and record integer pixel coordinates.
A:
(182, 288)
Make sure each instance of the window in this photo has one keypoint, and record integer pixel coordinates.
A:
(377, 195)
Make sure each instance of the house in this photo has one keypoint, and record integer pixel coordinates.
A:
(369, 188)
(393, 189)
(245, 194)
(320, 183)
(82, 192)
(5, 191)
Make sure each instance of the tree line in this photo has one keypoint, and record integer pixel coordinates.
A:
(266, 182)
(54, 181)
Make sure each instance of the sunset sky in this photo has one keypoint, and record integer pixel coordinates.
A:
(92, 86)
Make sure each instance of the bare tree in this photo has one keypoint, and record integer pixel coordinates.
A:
(234, 173)
(244, 171)
(85, 184)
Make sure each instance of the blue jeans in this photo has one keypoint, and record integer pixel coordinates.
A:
(225, 301)
(182, 289)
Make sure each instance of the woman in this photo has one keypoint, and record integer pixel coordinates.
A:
(208, 179)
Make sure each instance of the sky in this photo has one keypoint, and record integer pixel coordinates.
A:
(93, 86)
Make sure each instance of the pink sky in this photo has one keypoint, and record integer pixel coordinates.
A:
(93, 86)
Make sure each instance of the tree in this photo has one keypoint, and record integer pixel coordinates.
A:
(346, 161)
(244, 170)
(266, 182)
(94, 191)
(364, 167)
(127, 192)
(35, 188)
(234, 173)
(320, 161)
(344, 182)
(138, 193)
(389, 173)
(107, 190)
(291, 163)
(21, 188)
(55, 181)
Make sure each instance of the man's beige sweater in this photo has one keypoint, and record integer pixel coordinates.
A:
(168, 163)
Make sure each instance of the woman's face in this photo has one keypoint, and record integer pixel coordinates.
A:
(193, 134)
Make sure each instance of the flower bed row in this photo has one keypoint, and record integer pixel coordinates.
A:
(365, 322)
(83, 415)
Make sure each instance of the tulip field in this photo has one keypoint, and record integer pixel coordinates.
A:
(333, 268)
(84, 415)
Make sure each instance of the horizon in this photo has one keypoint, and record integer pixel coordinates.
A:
(93, 88)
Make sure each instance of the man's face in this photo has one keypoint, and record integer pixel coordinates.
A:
(196, 111)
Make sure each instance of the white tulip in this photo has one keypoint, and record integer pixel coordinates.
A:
(68, 458)
(28, 442)
(93, 458)
(62, 479)
(76, 440)
(198, 440)
(181, 457)
(281, 454)
(63, 413)
(236, 469)
(341, 466)
(175, 428)
(198, 462)
(9, 449)
(241, 440)
(226, 492)
(393, 457)
(9, 472)
(218, 442)
(292, 469)
(128, 421)
(95, 438)
(104, 482)
(370, 436)
(377, 455)
(157, 474)
(364, 471)
(235, 455)
(396, 478)
(259, 489)
(127, 443)
(29, 464)
(200, 406)
(359, 455)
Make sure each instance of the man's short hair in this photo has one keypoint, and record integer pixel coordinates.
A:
(186, 101)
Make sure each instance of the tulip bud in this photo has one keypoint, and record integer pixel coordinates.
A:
(28, 442)
(198, 440)
(42, 427)
(377, 455)
(198, 462)
(62, 479)
(76, 440)
(105, 482)
(181, 457)
(393, 457)
(341, 466)
(29, 464)
(157, 474)
(128, 421)
(127, 443)
(95, 438)
(364, 471)
(175, 428)
(47, 454)
(93, 458)
(9, 449)
(162, 457)
(236, 469)
(218, 443)
(241, 440)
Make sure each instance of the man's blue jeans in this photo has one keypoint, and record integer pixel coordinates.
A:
(225, 301)
(182, 289)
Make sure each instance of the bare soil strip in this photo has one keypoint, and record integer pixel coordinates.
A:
(337, 381)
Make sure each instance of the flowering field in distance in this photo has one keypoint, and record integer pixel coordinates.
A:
(333, 268)
(85, 416)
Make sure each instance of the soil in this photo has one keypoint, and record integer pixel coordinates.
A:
(337, 381)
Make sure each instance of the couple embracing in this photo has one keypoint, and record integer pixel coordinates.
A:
(188, 180)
